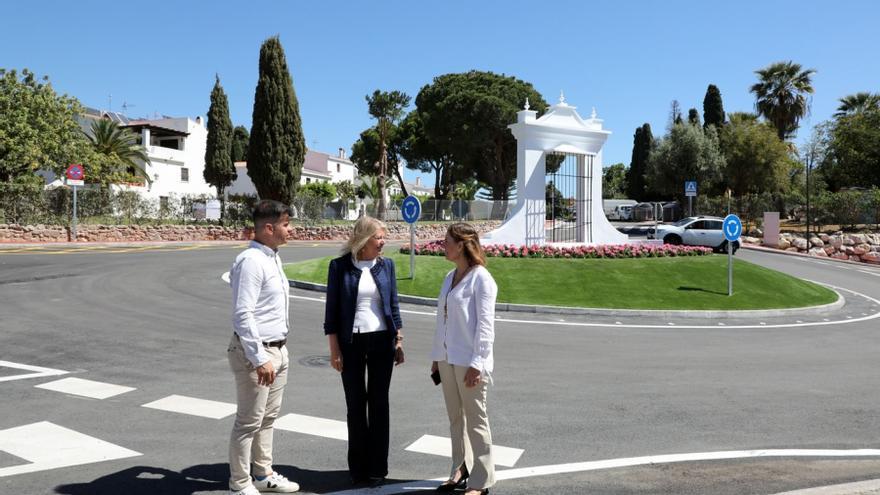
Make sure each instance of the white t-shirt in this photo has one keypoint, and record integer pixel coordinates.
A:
(368, 315)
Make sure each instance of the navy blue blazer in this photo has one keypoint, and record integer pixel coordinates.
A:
(343, 278)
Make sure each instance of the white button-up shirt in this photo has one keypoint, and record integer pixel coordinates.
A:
(260, 300)
(465, 329)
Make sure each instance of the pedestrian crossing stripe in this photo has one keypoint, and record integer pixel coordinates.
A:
(45, 445)
(35, 371)
(442, 446)
(85, 388)
(193, 406)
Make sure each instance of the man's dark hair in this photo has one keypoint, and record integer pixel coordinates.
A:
(269, 211)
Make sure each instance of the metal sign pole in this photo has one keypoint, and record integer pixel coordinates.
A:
(412, 251)
(73, 227)
(729, 268)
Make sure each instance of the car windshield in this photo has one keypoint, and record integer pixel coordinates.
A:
(683, 222)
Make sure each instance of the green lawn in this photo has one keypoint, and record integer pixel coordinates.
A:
(693, 282)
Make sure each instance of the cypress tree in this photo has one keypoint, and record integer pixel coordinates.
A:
(643, 141)
(219, 169)
(713, 108)
(240, 137)
(277, 148)
(693, 117)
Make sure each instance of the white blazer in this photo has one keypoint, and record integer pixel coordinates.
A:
(465, 329)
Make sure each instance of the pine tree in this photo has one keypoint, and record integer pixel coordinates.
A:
(219, 169)
(277, 148)
(713, 108)
(643, 141)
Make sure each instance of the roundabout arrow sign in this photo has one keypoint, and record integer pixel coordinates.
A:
(732, 228)
(411, 209)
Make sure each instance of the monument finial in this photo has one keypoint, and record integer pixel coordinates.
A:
(561, 97)
(527, 106)
(593, 114)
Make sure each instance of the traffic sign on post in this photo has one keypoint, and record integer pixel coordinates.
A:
(75, 177)
(75, 172)
(411, 210)
(732, 227)
(690, 190)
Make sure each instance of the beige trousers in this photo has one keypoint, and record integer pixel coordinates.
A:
(468, 425)
(258, 406)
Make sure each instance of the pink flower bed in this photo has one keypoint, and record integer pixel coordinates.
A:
(436, 248)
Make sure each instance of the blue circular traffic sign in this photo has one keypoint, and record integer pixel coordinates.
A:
(411, 209)
(732, 228)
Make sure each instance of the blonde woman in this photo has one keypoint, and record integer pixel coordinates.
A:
(462, 354)
(363, 326)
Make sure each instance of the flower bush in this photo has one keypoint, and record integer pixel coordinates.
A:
(436, 248)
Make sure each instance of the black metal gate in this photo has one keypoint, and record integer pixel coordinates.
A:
(569, 185)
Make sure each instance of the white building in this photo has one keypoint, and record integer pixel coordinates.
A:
(317, 167)
(175, 148)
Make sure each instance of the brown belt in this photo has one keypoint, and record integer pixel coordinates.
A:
(278, 343)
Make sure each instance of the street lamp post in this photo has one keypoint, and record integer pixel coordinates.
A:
(807, 235)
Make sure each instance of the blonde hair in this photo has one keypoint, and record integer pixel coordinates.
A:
(470, 239)
(364, 228)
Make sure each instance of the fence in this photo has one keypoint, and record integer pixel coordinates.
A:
(27, 204)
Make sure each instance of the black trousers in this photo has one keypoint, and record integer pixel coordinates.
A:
(367, 363)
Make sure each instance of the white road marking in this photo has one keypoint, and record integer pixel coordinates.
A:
(799, 323)
(193, 406)
(430, 444)
(85, 388)
(578, 467)
(48, 446)
(311, 425)
(36, 371)
(876, 274)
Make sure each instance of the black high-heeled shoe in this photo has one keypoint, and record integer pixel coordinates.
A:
(451, 485)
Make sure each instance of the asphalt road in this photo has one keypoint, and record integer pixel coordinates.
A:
(568, 390)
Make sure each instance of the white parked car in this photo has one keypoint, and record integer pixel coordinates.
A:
(694, 231)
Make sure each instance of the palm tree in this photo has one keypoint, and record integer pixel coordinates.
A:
(857, 103)
(780, 95)
(120, 145)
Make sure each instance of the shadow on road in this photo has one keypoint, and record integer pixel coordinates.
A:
(147, 480)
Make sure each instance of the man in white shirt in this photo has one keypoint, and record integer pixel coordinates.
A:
(257, 352)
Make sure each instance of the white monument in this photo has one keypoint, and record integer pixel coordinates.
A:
(562, 134)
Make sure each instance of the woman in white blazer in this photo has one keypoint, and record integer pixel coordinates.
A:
(462, 354)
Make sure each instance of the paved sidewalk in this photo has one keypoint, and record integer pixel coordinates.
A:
(870, 487)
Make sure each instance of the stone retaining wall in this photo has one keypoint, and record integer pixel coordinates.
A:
(852, 247)
(182, 233)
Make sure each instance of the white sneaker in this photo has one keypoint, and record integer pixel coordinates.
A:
(276, 483)
(248, 490)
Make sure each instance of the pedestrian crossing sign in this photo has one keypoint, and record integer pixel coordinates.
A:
(690, 188)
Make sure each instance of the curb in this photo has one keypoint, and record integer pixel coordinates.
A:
(655, 313)
(870, 487)
(770, 250)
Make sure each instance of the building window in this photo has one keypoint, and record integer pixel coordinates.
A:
(173, 144)
(338, 168)
(163, 203)
(308, 181)
(184, 174)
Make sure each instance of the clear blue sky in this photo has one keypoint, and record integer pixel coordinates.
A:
(628, 59)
